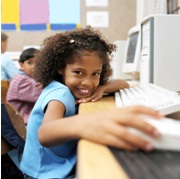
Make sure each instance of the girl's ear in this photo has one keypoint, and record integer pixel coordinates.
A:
(61, 71)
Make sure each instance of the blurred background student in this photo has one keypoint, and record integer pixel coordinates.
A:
(8, 67)
(23, 90)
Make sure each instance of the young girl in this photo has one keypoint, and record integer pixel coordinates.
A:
(72, 66)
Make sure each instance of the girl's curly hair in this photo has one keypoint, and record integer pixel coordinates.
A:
(63, 48)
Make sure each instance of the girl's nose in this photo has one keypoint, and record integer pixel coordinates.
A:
(86, 82)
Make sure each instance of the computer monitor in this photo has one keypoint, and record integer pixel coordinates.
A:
(117, 61)
(160, 52)
(131, 63)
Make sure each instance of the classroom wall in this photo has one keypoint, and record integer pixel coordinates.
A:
(122, 16)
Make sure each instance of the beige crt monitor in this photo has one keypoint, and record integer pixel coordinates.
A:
(117, 61)
(131, 62)
(160, 54)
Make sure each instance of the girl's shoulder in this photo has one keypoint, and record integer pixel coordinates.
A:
(59, 92)
(55, 88)
(56, 85)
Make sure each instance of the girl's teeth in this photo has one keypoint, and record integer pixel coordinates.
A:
(84, 91)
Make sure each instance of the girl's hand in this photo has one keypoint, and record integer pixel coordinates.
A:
(110, 127)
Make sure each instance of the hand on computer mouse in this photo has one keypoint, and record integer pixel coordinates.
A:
(110, 127)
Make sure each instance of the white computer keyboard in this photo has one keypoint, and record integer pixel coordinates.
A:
(149, 95)
(161, 99)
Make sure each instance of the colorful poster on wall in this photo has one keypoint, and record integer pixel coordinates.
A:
(34, 14)
(64, 14)
(10, 14)
(40, 14)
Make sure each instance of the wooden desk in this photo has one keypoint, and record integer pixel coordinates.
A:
(95, 161)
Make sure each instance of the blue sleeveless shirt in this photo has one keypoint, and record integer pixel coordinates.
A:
(55, 162)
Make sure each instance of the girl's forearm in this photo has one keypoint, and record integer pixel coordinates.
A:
(115, 85)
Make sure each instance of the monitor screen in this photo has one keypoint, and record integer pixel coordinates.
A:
(132, 53)
(132, 48)
(117, 61)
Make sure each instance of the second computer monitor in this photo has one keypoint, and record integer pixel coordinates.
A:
(132, 53)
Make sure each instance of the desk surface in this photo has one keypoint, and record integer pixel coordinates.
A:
(95, 161)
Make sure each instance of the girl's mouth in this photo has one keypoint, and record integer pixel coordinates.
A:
(83, 91)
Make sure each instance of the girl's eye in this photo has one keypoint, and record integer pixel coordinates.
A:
(79, 72)
(96, 74)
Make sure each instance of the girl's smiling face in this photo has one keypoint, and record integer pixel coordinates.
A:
(83, 76)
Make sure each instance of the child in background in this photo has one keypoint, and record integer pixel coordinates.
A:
(8, 67)
(23, 91)
(70, 67)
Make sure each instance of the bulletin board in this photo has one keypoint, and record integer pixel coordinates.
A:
(121, 14)
(34, 15)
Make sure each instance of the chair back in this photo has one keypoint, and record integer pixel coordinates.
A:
(5, 83)
(4, 89)
(3, 93)
(13, 129)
